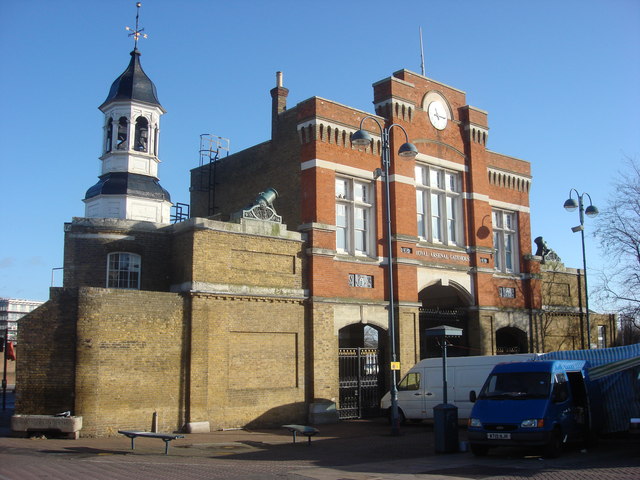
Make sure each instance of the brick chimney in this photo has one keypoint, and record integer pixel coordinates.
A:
(278, 103)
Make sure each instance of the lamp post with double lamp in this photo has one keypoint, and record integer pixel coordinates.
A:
(591, 211)
(362, 138)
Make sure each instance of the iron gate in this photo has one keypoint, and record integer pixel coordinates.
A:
(360, 375)
(434, 317)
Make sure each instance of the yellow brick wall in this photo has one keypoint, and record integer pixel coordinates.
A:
(251, 260)
(562, 326)
(46, 357)
(229, 349)
(130, 363)
(253, 356)
(408, 335)
(322, 353)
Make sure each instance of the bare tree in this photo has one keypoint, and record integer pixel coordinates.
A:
(629, 331)
(619, 235)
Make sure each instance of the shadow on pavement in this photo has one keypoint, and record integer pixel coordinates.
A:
(353, 446)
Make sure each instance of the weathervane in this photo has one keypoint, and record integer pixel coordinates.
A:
(137, 33)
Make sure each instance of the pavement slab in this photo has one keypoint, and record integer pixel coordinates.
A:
(349, 450)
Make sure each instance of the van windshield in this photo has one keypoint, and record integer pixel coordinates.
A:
(516, 385)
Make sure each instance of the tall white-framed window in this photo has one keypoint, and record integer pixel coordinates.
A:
(439, 205)
(123, 270)
(354, 216)
(505, 240)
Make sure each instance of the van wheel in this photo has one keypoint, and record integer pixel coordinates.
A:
(554, 448)
(479, 450)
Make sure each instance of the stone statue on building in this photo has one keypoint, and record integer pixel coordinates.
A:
(545, 252)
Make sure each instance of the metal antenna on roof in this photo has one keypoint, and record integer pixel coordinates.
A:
(421, 53)
(137, 32)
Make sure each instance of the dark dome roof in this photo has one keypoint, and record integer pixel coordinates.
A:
(123, 183)
(133, 84)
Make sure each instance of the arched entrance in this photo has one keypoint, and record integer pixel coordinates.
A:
(511, 340)
(444, 305)
(361, 376)
(361, 335)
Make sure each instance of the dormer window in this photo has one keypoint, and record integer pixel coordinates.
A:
(141, 139)
(123, 127)
(109, 136)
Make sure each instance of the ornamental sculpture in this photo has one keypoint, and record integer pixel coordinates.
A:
(262, 208)
(545, 252)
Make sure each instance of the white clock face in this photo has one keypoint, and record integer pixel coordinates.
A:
(437, 115)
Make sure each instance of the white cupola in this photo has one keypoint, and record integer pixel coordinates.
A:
(129, 187)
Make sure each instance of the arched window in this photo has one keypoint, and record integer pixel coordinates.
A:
(109, 136)
(123, 127)
(141, 139)
(123, 270)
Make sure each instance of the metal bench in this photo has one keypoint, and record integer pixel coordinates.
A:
(166, 437)
(302, 430)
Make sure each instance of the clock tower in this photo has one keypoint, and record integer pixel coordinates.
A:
(128, 186)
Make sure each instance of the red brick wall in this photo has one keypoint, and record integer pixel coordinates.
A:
(325, 138)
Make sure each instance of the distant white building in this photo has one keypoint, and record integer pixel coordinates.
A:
(12, 310)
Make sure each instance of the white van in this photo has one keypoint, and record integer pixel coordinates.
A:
(421, 388)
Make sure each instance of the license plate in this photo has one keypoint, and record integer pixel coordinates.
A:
(499, 436)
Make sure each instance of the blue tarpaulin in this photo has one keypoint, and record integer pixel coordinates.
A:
(616, 370)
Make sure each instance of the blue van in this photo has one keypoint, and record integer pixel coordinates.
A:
(535, 403)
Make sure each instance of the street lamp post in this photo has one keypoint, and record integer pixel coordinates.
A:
(408, 150)
(445, 415)
(591, 211)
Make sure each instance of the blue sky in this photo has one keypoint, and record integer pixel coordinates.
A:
(558, 78)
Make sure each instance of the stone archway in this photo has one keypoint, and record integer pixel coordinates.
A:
(361, 372)
(444, 304)
(362, 335)
(511, 340)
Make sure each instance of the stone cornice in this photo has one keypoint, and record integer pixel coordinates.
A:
(227, 289)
